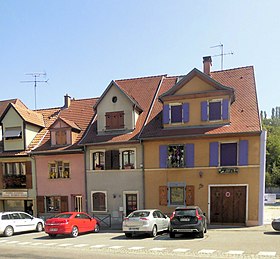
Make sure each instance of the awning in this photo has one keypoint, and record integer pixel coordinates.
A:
(12, 132)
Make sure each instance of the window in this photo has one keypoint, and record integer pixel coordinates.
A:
(176, 194)
(14, 175)
(53, 204)
(176, 156)
(13, 133)
(228, 154)
(99, 201)
(98, 160)
(114, 120)
(60, 137)
(176, 113)
(128, 159)
(215, 110)
(59, 169)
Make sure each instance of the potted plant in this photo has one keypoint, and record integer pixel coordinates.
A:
(129, 166)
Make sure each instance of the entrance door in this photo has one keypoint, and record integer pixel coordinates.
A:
(78, 203)
(130, 202)
(228, 204)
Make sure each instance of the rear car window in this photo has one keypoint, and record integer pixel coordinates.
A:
(63, 216)
(191, 213)
(5, 217)
(139, 214)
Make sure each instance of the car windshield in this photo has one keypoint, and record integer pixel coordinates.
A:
(63, 216)
(190, 213)
(139, 214)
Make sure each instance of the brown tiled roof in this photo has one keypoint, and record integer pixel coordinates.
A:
(4, 104)
(72, 124)
(244, 113)
(142, 90)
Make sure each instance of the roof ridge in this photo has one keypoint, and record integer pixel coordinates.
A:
(82, 99)
(236, 68)
(141, 77)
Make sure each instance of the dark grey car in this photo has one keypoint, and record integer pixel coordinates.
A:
(189, 219)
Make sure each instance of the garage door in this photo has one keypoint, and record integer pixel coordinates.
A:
(228, 205)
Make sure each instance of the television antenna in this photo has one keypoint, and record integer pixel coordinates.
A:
(222, 54)
(36, 75)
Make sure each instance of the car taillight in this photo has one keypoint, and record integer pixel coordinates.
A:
(125, 219)
(198, 216)
(143, 219)
(172, 216)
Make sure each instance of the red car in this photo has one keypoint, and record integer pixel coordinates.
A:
(71, 223)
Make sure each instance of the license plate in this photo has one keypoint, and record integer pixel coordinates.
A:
(133, 228)
(185, 219)
(53, 229)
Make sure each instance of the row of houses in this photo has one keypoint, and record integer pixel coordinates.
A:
(150, 142)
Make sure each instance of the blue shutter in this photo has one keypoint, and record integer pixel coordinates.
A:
(163, 156)
(225, 109)
(204, 116)
(186, 116)
(214, 154)
(243, 152)
(189, 155)
(166, 114)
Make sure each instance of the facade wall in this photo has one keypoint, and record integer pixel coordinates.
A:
(30, 133)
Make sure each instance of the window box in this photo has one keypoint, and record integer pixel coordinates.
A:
(228, 170)
(129, 166)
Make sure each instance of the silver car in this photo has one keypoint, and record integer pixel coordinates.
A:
(14, 222)
(145, 222)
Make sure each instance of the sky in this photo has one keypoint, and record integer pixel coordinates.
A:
(82, 45)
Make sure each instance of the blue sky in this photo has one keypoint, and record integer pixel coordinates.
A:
(82, 45)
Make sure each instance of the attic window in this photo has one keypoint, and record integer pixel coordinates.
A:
(13, 133)
(114, 99)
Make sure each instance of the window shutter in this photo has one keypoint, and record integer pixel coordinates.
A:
(1, 175)
(189, 195)
(189, 155)
(186, 116)
(108, 159)
(204, 116)
(40, 204)
(163, 156)
(214, 153)
(165, 114)
(163, 192)
(28, 167)
(243, 152)
(225, 109)
(115, 159)
(64, 203)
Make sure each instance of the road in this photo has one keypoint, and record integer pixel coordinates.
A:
(254, 242)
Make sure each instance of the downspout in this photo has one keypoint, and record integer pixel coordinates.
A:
(262, 176)
(85, 167)
(143, 172)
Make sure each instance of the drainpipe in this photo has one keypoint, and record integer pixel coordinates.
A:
(143, 172)
(85, 167)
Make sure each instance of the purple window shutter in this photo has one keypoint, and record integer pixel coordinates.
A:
(163, 156)
(186, 116)
(214, 154)
(225, 109)
(166, 114)
(189, 155)
(204, 116)
(243, 152)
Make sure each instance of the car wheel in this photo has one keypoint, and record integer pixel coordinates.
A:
(128, 235)
(154, 231)
(52, 235)
(9, 231)
(96, 228)
(171, 234)
(201, 234)
(39, 227)
(74, 232)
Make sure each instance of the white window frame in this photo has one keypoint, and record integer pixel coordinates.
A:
(91, 152)
(106, 201)
(176, 184)
(208, 109)
(126, 149)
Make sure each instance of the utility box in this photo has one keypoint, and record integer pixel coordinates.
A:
(269, 198)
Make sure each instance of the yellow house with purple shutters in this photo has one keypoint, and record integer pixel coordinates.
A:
(204, 145)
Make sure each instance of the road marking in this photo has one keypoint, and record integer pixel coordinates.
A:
(64, 245)
(157, 249)
(136, 248)
(2, 241)
(206, 251)
(235, 252)
(181, 250)
(24, 243)
(81, 245)
(12, 242)
(98, 246)
(36, 244)
(115, 247)
(266, 253)
(50, 244)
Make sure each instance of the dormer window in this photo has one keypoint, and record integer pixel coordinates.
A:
(215, 110)
(114, 120)
(60, 137)
(13, 133)
(176, 113)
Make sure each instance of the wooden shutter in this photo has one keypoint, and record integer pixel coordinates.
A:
(108, 164)
(115, 159)
(40, 204)
(165, 119)
(64, 203)
(28, 168)
(189, 195)
(204, 115)
(225, 109)
(243, 152)
(186, 116)
(189, 155)
(163, 192)
(214, 154)
(163, 156)
(1, 175)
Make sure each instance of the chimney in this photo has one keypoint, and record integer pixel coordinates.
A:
(67, 101)
(207, 63)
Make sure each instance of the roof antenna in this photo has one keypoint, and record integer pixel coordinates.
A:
(222, 54)
(35, 81)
